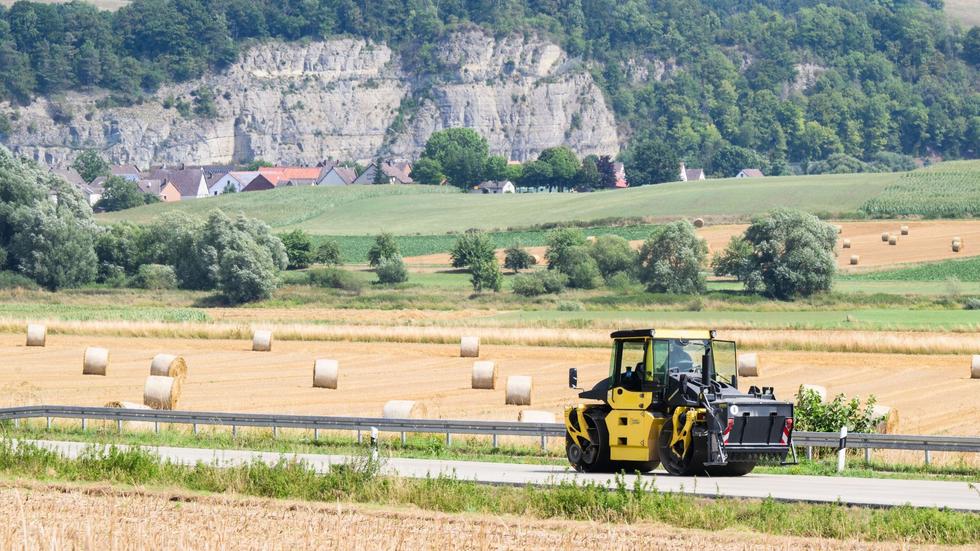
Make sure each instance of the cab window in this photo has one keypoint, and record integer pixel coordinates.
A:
(660, 353)
(630, 364)
(723, 354)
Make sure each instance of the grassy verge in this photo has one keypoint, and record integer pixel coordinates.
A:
(360, 481)
(463, 449)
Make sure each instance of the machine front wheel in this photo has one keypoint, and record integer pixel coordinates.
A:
(673, 464)
(740, 468)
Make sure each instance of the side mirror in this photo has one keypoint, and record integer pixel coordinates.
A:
(573, 378)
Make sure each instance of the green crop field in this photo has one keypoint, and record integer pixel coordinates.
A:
(406, 210)
(947, 190)
(963, 270)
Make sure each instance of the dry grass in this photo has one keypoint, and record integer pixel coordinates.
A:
(892, 342)
(98, 517)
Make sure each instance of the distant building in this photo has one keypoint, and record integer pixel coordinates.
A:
(691, 174)
(232, 180)
(750, 173)
(126, 172)
(620, 170)
(291, 175)
(493, 188)
(259, 183)
(186, 183)
(337, 176)
(393, 173)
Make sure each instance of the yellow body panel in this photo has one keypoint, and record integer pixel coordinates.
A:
(620, 398)
(580, 437)
(633, 435)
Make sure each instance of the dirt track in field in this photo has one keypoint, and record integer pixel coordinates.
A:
(932, 393)
(102, 518)
(927, 241)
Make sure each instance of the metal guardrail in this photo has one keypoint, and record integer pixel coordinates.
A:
(543, 431)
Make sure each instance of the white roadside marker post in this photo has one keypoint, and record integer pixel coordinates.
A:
(842, 449)
(374, 444)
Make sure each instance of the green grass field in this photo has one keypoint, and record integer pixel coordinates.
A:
(407, 210)
(967, 270)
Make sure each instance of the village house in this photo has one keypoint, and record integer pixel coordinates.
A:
(260, 183)
(188, 183)
(337, 176)
(620, 170)
(291, 175)
(750, 173)
(691, 174)
(393, 173)
(232, 181)
(494, 188)
(126, 172)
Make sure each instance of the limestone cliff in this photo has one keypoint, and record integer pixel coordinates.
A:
(300, 103)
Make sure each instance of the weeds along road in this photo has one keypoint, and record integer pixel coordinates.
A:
(875, 492)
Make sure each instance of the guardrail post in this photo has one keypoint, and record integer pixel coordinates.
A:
(119, 425)
(234, 431)
(49, 423)
(867, 455)
(194, 427)
(275, 432)
(404, 440)
(544, 442)
(809, 453)
(16, 423)
(360, 440)
(156, 427)
(316, 434)
(374, 443)
(842, 449)
(927, 457)
(84, 424)
(449, 439)
(494, 435)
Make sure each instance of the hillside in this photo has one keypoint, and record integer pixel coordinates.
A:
(357, 210)
(966, 12)
(774, 83)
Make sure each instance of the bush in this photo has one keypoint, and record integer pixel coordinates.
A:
(734, 260)
(539, 283)
(811, 414)
(299, 249)
(972, 304)
(13, 280)
(328, 253)
(517, 259)
(613, 255)
(384, 248)
(560, 241)
(620, 280)
(246, 274)
(581, 268)
(671, 260)
(391, 270)
(472, 247)
(570, 306)
(793, 254)
(485, 275)
(335, 278)
(155, 276)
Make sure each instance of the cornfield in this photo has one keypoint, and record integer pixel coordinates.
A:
(951, 190)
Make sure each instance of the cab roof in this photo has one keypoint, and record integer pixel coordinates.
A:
(664, 334)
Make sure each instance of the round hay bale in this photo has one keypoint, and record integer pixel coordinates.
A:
(262, 341)
(535, 416)
(698, 223)
(590, 239)
(325, 373)
(748, 365)
(893, 240)
(484, 375)
(538, 259)
(855, 259)
(469, 347)
(168, 365)
(161, 392)
(95, 361)
(846, 243)
(957, 246)
(884, 237)
(403, 409)
(821, 391)
(975, 367)
(890, 421)
(141, 426)
(126, 405)
(518, 390)
(37, 334)
(839, 228)
(904, 230)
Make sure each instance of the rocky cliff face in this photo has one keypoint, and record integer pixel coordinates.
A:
(343, 99)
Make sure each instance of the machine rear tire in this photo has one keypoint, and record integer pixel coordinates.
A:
(595, 458)
(686, 466)
(740, 468)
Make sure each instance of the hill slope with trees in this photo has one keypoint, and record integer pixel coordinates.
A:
(758, 82)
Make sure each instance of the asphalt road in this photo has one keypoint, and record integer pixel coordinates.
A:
(878, 492)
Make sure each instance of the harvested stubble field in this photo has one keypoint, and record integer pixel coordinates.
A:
(224, 375)
(105, 518)
(928, 240)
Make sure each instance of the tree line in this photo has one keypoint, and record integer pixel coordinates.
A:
(703, 76)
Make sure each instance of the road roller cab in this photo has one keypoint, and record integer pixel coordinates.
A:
(672, 397)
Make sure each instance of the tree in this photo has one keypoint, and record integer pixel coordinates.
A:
(536, 174)
(391, 270)
(90, 165)
(517, 259)
(379, 175)
(730, 159)
(384, 248)
(246, 273)
(793, 254)
(299, 249)
(651, 161)
(496, 169)
(580, 267)
(257, 164)
(564, 166)
(671, 260)
(588, 176)
(328, 253)
(120, 194)
(461, 153)
(971, 46)
(613, 255)
(734, 260)
(427, 171)
(472, 247)
(53, 249)
(485, 274)
(559, 241)
(607, 172)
